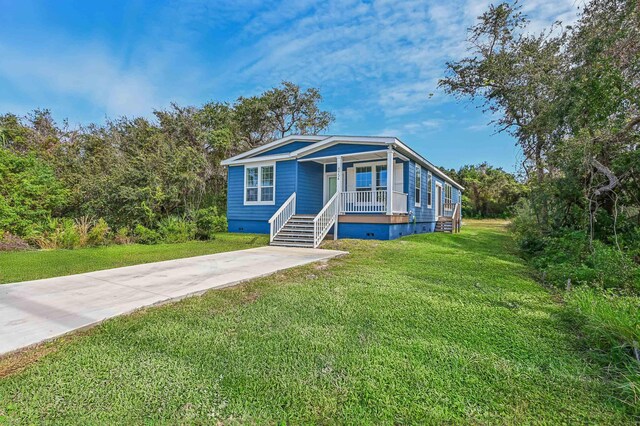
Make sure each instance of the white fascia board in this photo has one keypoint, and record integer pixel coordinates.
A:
(419, 158)
(333, 140)
(274, 144)
(266, 158)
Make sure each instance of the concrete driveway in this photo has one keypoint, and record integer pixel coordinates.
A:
(35, 311)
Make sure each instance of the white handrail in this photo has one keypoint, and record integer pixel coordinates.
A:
(456, 219)
(327, 217)
(280, 217)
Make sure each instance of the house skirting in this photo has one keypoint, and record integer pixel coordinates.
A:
(366, 229)
(382, 231)
(248, 226)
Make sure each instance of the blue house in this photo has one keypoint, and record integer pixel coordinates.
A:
(299, 189)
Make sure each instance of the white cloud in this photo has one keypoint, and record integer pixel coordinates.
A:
(88, 72)
(378, 58)
(393, 51)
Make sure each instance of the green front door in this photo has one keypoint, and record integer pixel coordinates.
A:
(333, 186)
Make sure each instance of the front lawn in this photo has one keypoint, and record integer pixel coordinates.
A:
(33, 265)
(431, 328)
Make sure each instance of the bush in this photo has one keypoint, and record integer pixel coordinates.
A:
(610, 324)
(525, 228)
(208, 222)
(123, 236)
(145, 235)
(60, 233)
(10, 242)
(569, 256)
(176, 230)
(29, 193)
(98, 235)
(83, 225)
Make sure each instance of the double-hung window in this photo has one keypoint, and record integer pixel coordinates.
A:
(448, 196)
(429, 190)
(381, 182)
(259, 184)
(418, 185)
(363, 178)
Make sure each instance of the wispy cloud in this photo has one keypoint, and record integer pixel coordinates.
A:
(89, 72)
(393, 51)
(377, 58)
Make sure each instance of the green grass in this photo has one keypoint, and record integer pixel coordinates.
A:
(426, 329)
(33, 265)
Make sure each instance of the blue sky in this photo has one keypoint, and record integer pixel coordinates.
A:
(375, 62)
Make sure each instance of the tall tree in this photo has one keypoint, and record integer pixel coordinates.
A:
(515, 76)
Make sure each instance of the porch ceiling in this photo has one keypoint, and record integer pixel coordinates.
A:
(358, 156)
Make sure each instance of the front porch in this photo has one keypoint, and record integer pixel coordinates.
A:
(364, 194)
(366, 183)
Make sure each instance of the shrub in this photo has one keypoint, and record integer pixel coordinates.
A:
(123, 236)
(10, 242)
(60, 233)
(525, 227)
(98, 235)
(29, 193)
(176, 230)
(208, 222)
(83, 225)
(569, 256)
(145, 235)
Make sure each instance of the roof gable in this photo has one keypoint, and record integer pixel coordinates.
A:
(294, 145)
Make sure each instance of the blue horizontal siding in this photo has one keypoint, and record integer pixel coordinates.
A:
(309, 196)
(290, 147)
(345, 148)
(285, 185)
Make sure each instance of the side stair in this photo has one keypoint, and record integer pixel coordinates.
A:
(444, 225)
(297, 232)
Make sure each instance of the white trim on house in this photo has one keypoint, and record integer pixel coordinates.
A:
(259, 186)
(429, 189)
(417, 197)
(325, 142)
(334, 140)
(273, 144)
(438, 209)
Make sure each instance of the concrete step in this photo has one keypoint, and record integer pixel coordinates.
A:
(298, 226)
(291, 244)
(293, 238)
(295, 232)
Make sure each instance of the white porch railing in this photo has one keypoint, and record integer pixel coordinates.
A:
(280, 217)
(327, 217)
(372, 202)
(399, 202)
(364, 201)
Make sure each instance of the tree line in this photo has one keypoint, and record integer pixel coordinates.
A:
(570, 96)
(139, 171)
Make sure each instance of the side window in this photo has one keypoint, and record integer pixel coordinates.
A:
(418, 185)
(259, 184)
(429, 190)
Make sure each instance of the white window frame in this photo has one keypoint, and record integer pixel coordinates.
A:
(448, 193)
(259, 202)
(418, 197)
(429, 190)
(373, 177)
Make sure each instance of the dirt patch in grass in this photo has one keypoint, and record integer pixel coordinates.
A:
(15, 362)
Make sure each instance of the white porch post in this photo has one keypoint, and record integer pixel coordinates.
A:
(390, 181)
(339, 192)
